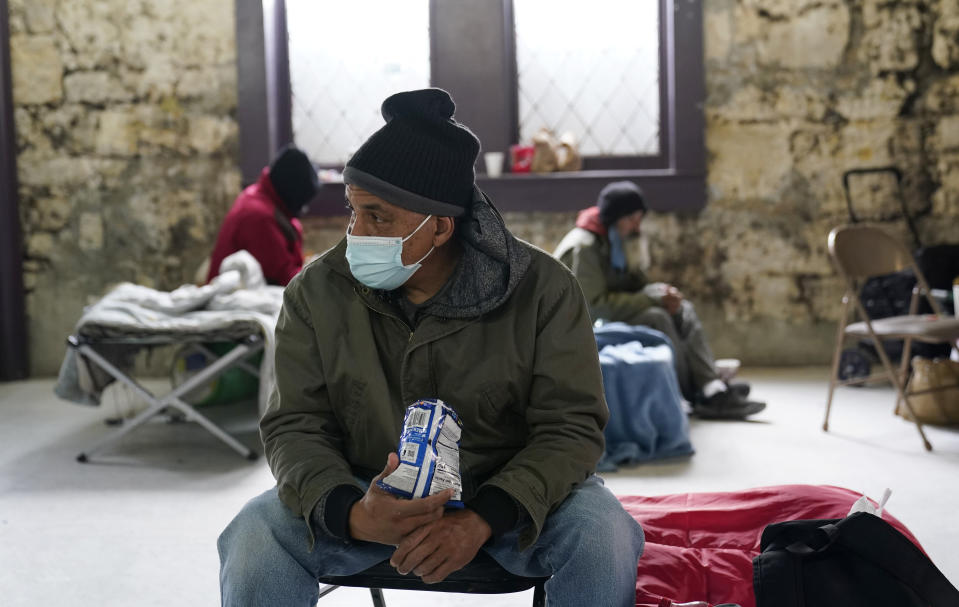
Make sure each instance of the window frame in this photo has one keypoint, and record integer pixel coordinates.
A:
(624, 162)
(472, 50)
(13, 345)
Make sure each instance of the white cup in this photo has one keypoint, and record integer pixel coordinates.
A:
(494, 163)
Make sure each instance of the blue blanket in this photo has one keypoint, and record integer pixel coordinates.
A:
(646, 418)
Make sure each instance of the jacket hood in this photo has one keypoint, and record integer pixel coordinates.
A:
(491, 264)
(588, 219)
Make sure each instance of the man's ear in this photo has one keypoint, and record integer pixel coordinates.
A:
(445, 226)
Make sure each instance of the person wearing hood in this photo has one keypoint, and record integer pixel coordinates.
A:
(430, 296)
(263, 219)
(595, 251)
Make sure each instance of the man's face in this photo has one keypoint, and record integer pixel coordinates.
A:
(628, 225)
(373, 216)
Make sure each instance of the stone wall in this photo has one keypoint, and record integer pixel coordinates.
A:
(127, 155)
(127, 148)
(798, 91)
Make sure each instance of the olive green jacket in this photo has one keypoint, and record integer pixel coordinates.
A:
(613, 295)
(508, 345)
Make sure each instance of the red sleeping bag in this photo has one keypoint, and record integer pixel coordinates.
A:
(700, 546)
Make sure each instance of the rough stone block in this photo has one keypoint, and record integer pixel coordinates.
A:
(882, 98)
(875, 197)
(748, 160)
(813, 39)
(213, 44)
(942, 96)
(777, 296)
(29, 281)
(157, 81)
(750, 103)
(209, 134)
(71, 126)
(822, 296)
(146, 40)
(39, 15)
(17, 20)
(95, 87)
(29, 133)
(746, 103)
(90, 232)
(749, 26)
(52, 213)
(91, 31)
(946, 137)
(717, 34)
(866, 143)
(779, 9)
(890, 42)
(40, 170)
(945, 204)
(945, 42)
(229, 184)
(116, 134)
(212, 89)
(40, 245)
(186, 216)
(37, 70)
(158, 129)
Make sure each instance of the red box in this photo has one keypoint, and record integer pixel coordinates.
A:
(521, 158)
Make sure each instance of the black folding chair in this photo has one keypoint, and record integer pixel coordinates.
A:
(482, 575)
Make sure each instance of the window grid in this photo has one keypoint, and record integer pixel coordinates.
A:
(602, 86)
(339, 75)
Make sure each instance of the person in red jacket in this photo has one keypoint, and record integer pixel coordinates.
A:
(263, 219)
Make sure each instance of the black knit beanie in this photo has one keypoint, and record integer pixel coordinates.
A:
(293, 178)
(619, 199)
(421, 159)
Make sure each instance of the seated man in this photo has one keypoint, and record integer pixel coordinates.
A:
(430, 296)
(596, 253)
(263, 219)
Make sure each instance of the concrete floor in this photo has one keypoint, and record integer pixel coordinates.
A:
(138, 525)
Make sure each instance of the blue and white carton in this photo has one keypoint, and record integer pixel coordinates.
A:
(429, 453)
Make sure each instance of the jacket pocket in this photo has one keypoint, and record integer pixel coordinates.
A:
(499, 411)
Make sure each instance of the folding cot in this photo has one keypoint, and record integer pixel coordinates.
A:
(237, 308)
(245, 347)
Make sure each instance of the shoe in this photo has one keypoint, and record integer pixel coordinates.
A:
(727, 405)
(739, 388)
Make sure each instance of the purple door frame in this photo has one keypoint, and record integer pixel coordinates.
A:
(13, 335)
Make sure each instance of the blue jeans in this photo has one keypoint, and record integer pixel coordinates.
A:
(589, 545)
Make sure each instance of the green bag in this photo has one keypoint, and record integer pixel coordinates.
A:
(233, 385)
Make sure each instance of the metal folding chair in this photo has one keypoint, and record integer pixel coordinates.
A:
(174, 398)
(482, 575)
(859, 253)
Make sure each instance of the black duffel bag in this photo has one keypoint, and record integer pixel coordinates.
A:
(857, 561)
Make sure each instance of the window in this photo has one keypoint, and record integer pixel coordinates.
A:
(624, 76)
(600, 84)
(340, 74)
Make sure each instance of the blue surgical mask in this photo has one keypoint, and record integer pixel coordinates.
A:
(377, 261)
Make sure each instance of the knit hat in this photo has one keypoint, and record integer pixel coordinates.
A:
(294, 178)
(619, 199)
(421, 159)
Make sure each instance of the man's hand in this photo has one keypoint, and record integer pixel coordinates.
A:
(385, 519)
(438, 549)
(672, 299)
